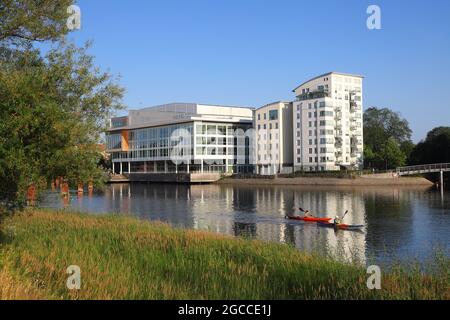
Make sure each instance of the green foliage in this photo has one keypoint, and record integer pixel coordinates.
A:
(393, 155)
(434, 149)
(23, 21)
(52, 112)
(387, 139)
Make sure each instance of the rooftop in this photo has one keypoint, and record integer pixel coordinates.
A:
(327, 74)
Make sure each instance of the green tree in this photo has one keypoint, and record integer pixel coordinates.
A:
(407, 148)
(24, 21)
(393, 155)
(53, 107)
(383, 129)
(53, 110)
(434, 149)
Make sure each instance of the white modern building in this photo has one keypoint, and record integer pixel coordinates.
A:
(328, 123)
(273, 148)
(182, 138)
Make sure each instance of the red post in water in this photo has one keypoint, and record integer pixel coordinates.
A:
(91, 188)
(80, 188)
(65, 188)
(31, 195)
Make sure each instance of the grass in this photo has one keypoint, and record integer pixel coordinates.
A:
(123, 258)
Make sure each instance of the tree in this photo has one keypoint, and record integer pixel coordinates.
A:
(407, 147)
(393, 155)
(23, 21)
(434, 149)
(53, 107)
(383, 129)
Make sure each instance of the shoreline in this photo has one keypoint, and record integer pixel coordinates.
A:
(152, 261)
(307, 181)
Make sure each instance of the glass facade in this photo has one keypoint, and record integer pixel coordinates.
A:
(204, 146)
(114, 141)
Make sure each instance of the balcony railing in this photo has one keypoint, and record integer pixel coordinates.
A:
(313, 95)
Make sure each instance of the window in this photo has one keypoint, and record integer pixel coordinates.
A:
(259, 116)
(273, 115)
(326, 113)
(265, 116)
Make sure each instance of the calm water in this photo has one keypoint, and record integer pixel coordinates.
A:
(399, 222)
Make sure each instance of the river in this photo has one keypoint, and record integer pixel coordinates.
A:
(400, 222)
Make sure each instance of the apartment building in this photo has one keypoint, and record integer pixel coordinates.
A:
(182, 138)
(273, 125)
(328, 123)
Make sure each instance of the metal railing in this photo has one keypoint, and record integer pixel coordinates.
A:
(425, 168)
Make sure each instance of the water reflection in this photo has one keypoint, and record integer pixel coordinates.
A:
(399, 221)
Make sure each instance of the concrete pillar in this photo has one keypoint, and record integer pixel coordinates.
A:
(121, 167)
(442, 180)
(145, 166)
(155, 167)
(129, 167)
(188, 167)
(113, 168)
(201, 167)
(165, 166)
(176, 168)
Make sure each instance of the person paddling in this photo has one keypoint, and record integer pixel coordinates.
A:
(306, 213)
(338, 220)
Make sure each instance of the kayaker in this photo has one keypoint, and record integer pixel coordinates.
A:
(337, 220)
(306, 213)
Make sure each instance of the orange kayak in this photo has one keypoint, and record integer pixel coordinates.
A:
(310, 219)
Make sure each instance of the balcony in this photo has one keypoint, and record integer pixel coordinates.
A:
(313, 95)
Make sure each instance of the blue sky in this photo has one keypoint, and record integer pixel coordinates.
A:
(253, 52)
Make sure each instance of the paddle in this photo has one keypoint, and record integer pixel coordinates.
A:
(342, 217)
(344, 214)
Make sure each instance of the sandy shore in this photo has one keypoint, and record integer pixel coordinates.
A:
(301, 181)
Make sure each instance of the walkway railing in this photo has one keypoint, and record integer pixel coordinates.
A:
(425, 168)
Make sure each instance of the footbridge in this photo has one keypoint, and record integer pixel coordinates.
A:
(425, 168)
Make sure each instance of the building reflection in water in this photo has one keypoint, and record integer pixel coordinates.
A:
(396, 219)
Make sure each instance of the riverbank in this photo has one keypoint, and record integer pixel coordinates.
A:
(311, 181)
(124, 258)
